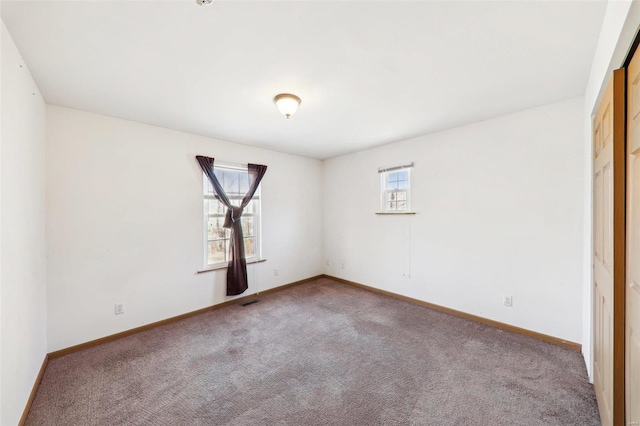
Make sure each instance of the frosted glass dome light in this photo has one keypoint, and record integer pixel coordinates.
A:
(287, 104)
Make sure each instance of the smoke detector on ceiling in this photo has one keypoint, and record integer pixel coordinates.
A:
(204, 2)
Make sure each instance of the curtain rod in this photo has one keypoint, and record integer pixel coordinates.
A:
(390, 169)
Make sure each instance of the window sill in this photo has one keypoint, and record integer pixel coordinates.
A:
(215, 268)
(394, 213)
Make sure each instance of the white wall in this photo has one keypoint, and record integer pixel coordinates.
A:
(124, 223)
(88, 283)
(22, 253)
(619, 27)
(1, 32)
(500, 212)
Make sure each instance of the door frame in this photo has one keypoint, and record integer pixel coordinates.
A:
(619, 242)
(611, 57)
(619, 130)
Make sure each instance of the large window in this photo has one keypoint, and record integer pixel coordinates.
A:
(395, 185)
(235, 182)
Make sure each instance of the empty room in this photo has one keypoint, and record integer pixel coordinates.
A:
(229, 212)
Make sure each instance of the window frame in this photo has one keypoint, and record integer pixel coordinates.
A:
(257, 217)
(384, 190)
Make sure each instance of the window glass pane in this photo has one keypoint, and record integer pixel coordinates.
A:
(247, 226)
(249, 247)
(236, 184)
(219, 174)
(209, 188)
(244, 183)
(225, 180)
(216, 207)
(235, 178)
(228, 179)
(215, 231)
(395, 190)
(397, 180)
(217, 251)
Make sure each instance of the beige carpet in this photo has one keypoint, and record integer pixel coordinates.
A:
(321, 353)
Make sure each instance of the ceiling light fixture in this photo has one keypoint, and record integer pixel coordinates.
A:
(287, 104)
(204, 2)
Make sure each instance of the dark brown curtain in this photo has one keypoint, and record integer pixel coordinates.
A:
(237, 270)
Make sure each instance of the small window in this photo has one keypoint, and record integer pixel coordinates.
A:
(235, 181)
(396, 190)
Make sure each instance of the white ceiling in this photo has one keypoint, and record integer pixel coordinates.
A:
(368, 73)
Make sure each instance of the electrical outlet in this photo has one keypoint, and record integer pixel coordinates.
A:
(328, 263)
(119, 308)
(342, 265)
(275, 272)
(508, 301)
